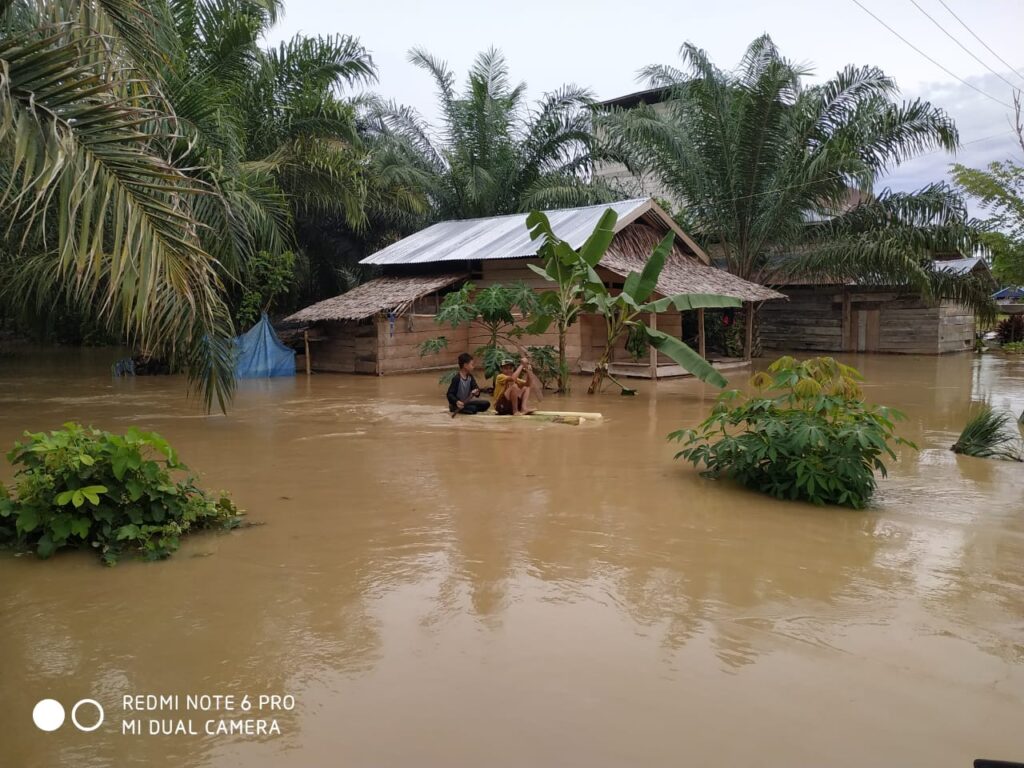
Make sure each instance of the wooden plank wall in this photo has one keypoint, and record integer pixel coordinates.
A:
(400, 347)
(811, 320)
(956, 328)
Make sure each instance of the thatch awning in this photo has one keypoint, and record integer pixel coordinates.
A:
(383, 294)
(682, 273)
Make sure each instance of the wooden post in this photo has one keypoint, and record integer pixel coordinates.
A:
(305, 338)
(847, 330)
(701, 342)
(654, 352)
(748, 345)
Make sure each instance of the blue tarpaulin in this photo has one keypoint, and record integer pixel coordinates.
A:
(1013, 292)
(259, 353)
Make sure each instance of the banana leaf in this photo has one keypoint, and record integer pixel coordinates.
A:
(685, 357)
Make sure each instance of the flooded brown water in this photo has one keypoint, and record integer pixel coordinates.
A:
(456, 593)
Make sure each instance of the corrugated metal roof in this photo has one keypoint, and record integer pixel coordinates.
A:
(500, 237)
(958, 266)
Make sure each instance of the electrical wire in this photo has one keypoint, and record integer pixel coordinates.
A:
(933, 61)
(964, 47)
(987, 47)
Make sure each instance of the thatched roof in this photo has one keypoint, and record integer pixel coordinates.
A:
(382, 294)
(682, 273)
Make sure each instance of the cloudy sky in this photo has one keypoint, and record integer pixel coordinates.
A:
(602, 44)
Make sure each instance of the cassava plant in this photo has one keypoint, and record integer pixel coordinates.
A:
(806, 434)
(81, 487)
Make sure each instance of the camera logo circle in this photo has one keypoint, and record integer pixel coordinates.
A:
(48, 715)
(99, 718)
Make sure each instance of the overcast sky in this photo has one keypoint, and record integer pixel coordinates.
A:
(601, 45)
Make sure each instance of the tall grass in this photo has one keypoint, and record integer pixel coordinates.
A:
(988, 435)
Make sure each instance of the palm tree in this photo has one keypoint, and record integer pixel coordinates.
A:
(493, 153)
(781, 175)
(149, 151)
(95, 210)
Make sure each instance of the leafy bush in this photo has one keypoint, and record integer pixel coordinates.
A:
(807, 434)
(80, 486)
(1010, 329)
(545, 363)
(988, 435)
(1014, 347)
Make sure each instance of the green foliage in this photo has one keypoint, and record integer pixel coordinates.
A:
(544, 360)
(807, 434)
(80, 487)
(1013, 347)
(493, 152)
(580, 288)
(569, 270)
(496, 309)
(268, 276)
(636, 343)
(1010, 329)
(988, 435)
(766, 164)
(999, 189)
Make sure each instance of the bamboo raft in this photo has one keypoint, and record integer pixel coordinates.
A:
(573, 418)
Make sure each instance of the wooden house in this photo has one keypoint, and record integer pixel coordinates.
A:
(378, 327)
(824, 316)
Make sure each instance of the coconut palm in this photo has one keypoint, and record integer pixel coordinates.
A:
(766, 166)
(493, 153)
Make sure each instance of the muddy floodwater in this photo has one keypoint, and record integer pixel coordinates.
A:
(438, 592)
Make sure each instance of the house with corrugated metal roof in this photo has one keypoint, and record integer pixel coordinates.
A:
(379, 326)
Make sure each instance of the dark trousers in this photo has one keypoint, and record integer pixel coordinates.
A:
(472, 406)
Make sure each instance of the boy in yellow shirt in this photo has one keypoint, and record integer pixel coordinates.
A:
(511, 388)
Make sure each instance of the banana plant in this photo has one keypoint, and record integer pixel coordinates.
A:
(570, 270)
(581, 289)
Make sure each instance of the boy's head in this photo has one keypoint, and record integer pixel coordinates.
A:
(466, 362)
(507, 366)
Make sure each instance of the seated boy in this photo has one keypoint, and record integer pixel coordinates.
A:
(511, 388)
(463, 393)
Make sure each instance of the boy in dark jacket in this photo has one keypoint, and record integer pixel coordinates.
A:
(463, 392)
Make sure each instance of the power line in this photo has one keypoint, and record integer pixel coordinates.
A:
(964, 47)
(933, 61)
(987, 48)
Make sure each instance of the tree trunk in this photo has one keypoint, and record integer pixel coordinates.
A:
(563, 366)
(599, 373)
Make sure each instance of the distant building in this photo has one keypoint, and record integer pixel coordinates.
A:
(842, 316)
(378, 327)
(646, 185)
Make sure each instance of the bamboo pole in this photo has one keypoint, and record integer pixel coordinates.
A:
(702, 346)
(748, 345)
(305, 338)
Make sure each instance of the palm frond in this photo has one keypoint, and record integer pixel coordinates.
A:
(988, 435)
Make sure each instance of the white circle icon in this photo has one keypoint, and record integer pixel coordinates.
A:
(74, 715)
(48, 715)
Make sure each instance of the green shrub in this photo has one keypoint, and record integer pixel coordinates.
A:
(807, 434)
(1013, 347)
(988, 435)
(81, 487)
